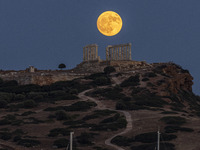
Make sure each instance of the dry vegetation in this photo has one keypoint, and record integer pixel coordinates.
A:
(41, 117)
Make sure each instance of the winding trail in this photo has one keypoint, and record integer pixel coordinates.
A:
(102, 106)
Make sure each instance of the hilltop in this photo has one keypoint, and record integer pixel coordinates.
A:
(96, 105)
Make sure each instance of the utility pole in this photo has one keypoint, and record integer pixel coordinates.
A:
(158, 146)
(71, 139)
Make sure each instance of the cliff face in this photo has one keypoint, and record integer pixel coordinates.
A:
(179, 79)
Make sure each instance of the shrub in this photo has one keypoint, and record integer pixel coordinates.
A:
(3, 103)
(85, 138)
(150, 74)
(28, 142)
(61, 115)
(159, 69)
(111, 119)
(109, 93)
(17, 138)
(60, 143)
(99, 148)
(18, 132)
(100, 81)
(8, 97)
(27, 113)
(107, 125)
(151, 137)
(131, 81)
(29, 104)
(145, 79)
(173, 129)
(73, 91)
(152, 146)
(5, 135)
(109, 69)
(19, 97)
(80, 106)
(121, 141)
(58, 131)
(10, 83)
(169, 112)
(173, 120)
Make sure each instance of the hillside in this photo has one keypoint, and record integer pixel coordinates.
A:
(105, 111)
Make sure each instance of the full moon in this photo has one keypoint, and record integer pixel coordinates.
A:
(109, 23)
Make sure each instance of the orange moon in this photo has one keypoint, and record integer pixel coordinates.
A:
(109, 23)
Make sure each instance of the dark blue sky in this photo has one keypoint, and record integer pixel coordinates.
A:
(44, 33)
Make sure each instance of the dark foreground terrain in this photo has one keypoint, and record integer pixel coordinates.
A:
(42, 117)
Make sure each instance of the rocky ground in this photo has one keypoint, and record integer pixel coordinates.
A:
(119, 110)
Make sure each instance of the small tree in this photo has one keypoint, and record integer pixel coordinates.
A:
(61, 66)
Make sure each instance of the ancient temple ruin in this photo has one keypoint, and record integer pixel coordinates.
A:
(113, 52)
(90, 52)
(118, 52)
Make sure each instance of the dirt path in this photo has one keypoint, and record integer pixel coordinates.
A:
(102, 106)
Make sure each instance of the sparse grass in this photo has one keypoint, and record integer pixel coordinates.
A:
(174, 129)
(173, 120)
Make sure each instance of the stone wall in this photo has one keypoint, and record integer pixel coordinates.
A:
(40, 78)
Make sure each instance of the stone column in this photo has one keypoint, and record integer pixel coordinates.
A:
(120, 53)
(96, 55)
(92, 53)
(110, 53)
(107, 52)
(130, 53)
(114, 53)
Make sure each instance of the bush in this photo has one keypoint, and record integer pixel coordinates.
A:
(61, 115)
(60, 143)
(145, 79)
(142, 99)
(73, 91)
(80, 106)
(131, 81)
(150, 74)
(109, 93)
(173, 120)
(151, 137)
(8, 97)
(19, 97)
(111, 119)
(28, 142)
(85, 138)
(109, 69)
(28, 113)
(5, 135)
(17, 138)
(29, 104)
(121, 141)
(173, 129)
(3, 103)
(102, 81)
(58, 131)
(106, 124)
(152, 146)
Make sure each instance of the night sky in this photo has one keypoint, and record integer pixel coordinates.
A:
(45, 33)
